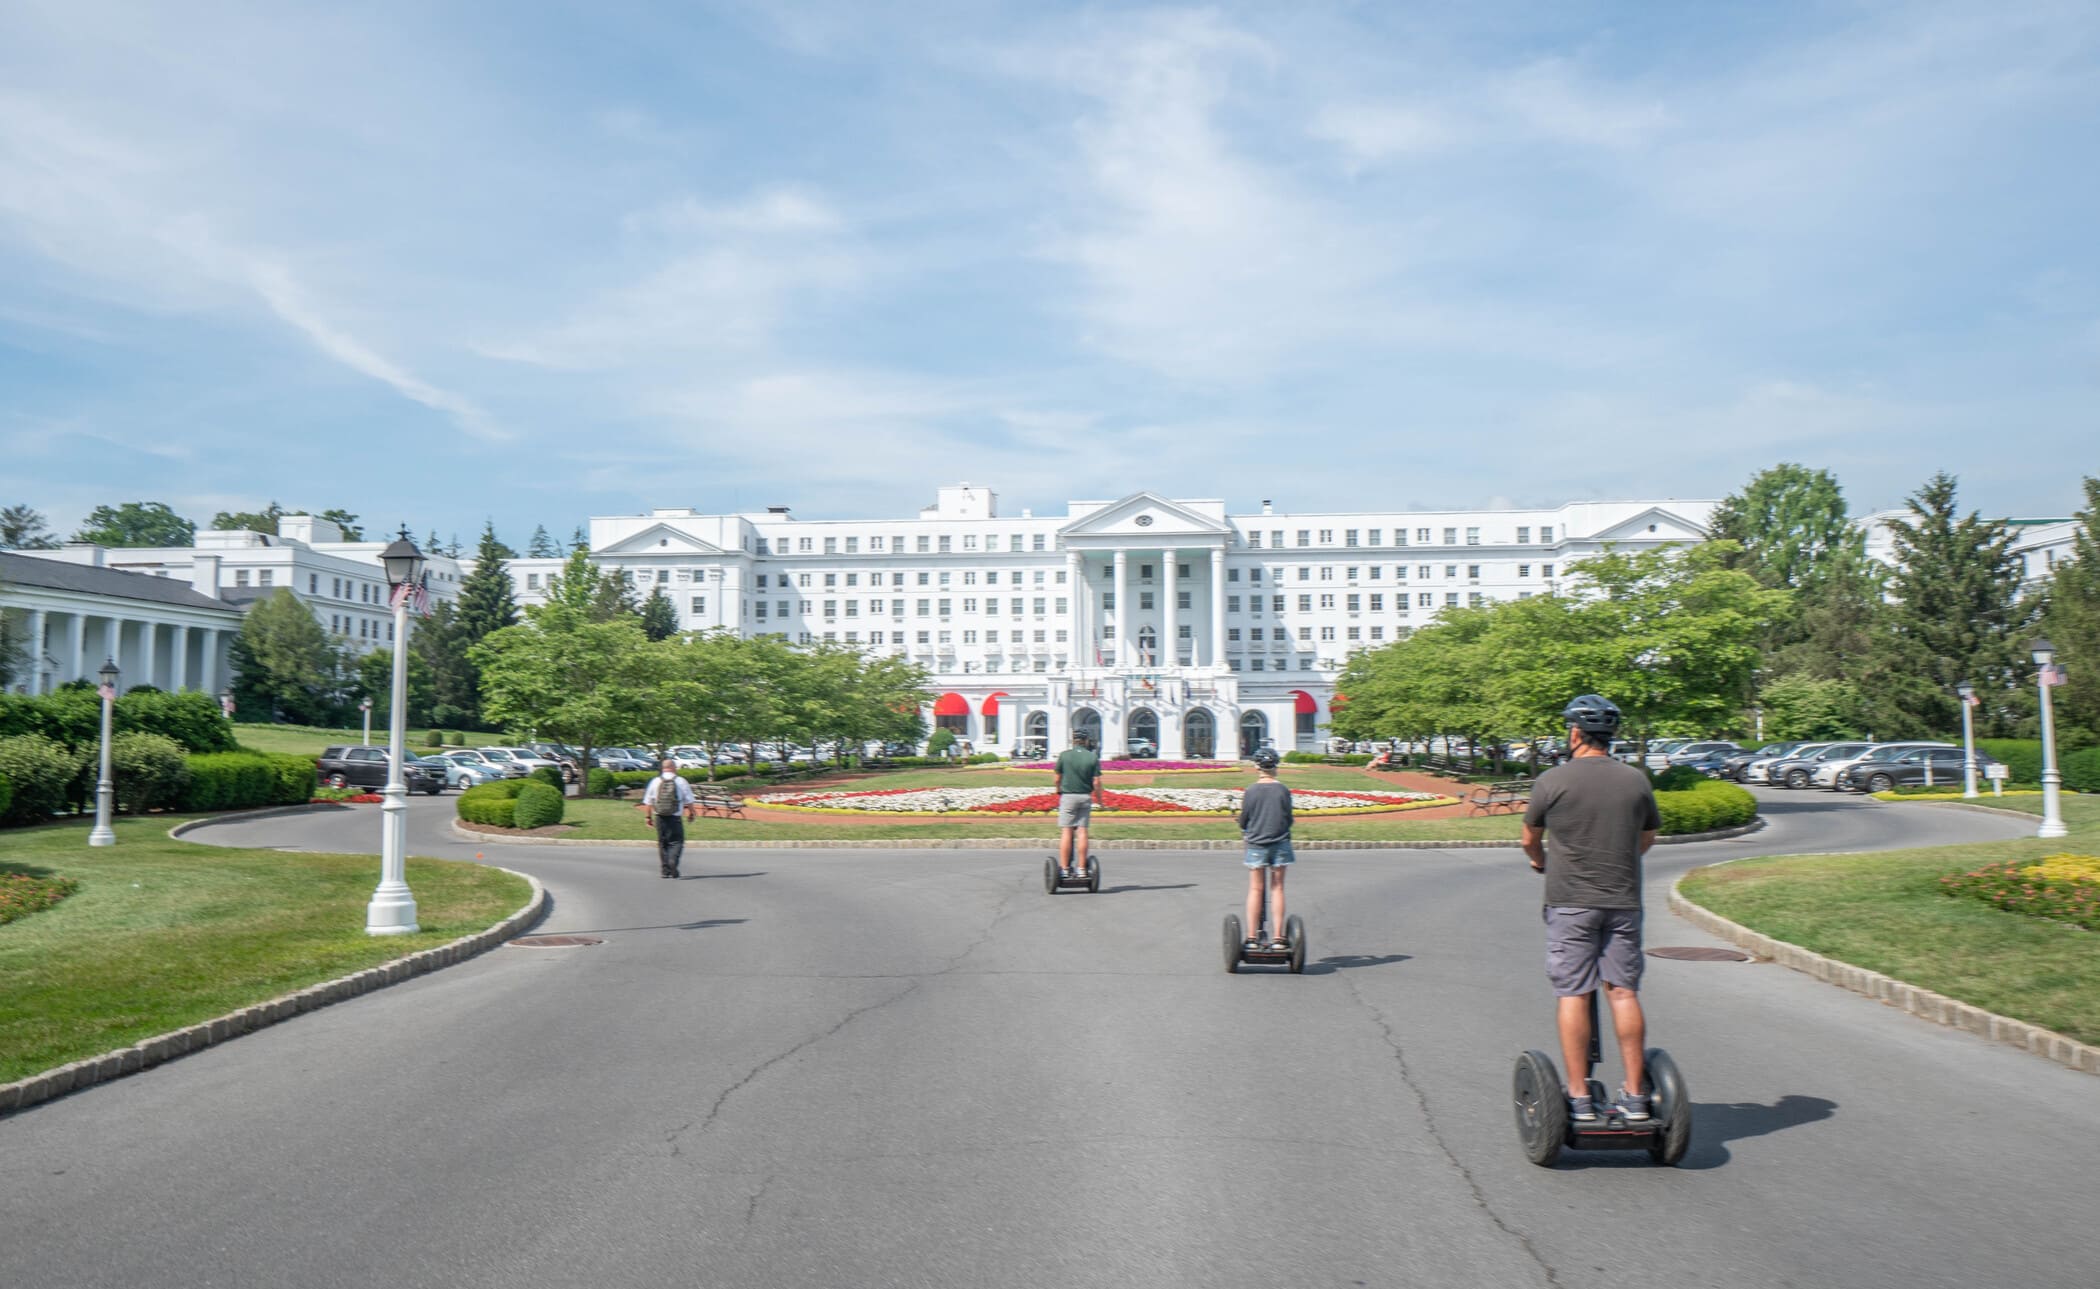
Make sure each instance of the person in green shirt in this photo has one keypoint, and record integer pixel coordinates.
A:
(1078, 783)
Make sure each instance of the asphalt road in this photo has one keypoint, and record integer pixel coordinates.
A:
(860, 1068)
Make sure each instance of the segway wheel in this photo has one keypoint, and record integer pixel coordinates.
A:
(1294, 932)
(1093, 875)
(1049, 877)
(1232, 942)
(1542, 1108)
(1672, 1106)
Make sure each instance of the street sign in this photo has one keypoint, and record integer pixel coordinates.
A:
(1997, 774)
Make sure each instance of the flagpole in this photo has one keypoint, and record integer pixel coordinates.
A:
(2052, 778)
(1968, 740)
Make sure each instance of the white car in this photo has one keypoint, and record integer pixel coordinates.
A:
(1828, 773)
(688, 756)
(1758, 771)
(520, 756)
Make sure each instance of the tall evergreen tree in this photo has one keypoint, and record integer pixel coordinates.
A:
(541, 546)
(285, 666)
(486, 605)
(438, 642)
(2071, 620)
(659, 618)
(23, 528)
(1957, 605)
(579, 540)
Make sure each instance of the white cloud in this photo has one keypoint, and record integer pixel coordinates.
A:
(1370, 133)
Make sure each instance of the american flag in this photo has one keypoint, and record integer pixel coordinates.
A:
(108, 693)
(2052, 675)
(1974, 700)
(416, 593)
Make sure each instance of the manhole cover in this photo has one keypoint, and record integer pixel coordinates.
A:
(1695, 953)
(553, 941)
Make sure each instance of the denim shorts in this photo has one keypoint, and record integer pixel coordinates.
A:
(1583, 944)
(1276, 855)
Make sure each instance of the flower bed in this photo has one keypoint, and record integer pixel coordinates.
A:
(326, 797)
(2065, 888)
(22, 895)
(1183, 802)
(1139, 767)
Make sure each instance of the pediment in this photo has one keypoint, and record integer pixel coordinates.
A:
(1146, 516)
(1669, 526)
(659, 539)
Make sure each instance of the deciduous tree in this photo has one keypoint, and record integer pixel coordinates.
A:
(136, 523)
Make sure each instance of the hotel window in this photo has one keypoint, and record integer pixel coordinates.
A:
(831, 608)
(1523, 535)
(1399, 537)
(944, 579)
(1378, 633)
(1356, 633)
(853, 545)
(1305, 537)
(969, 541)
(943, 606)
(1276, 604)
(897, 637)
(1254, 575)
(1423, 571)
(897, 547)
(1232, 575)
(1108, 600)
(896, 579)
(1305, 604)
(663, 575)
(1523, 570)
(1375, 537)
(761, 581)
(1060, 577)
(969, 637)
(783, 608)
(1421, 536)
(1349, 537)
(1181, 571)
(969, 606)
(1450, 570)
(1475, 598)
(875, 545)
(853, 608)
(1255, 635)
(1144, 572)
(831, 545)
(1426, 600)
(1377, 572)
(1185, 631)
(897, 610)
(1450, 537)
(1233, 663)
(1108, 632)
(1015, 543)
(1232, 635)
(699, 604)
(802, 545)
(923, 578)
(1261, 664)
(1472, 537)
(1037, 542)
(1349, 574)
(925, 544)
(265, 578)
(1377, 603)
(1326, 537)
(947, 637)
(1545, 570)
(925, 637)
(1062, 636)
(1354, 603)
(1326, 572)
(1451, 598)
(1327, 601)
(1276, 537)
(925, 607)
(313, 583)
(1546, 536)
(1473, 571)
(831, 581)
(1305, 572)
(1040, 602)
(802, 580)
(970, 578)
(1181, 600)
(947, 544)
(1144, 599)
(1253, 539)
(761, 607)
(1063, 606)
(1305, 633)
(532, 581)
(1232, 604)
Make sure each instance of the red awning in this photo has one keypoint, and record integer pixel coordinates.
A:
(951, 705)
(991, 704)
(1305, 702)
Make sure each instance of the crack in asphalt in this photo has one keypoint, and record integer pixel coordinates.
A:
(1436, 1135)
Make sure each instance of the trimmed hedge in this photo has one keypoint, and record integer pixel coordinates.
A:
(7, 795)
(74, 717)
(1705, 806)
(41, 770)
(245, 780)
(492, 803)
(550, 776)
(2022, 756)
(537, 805)
(598, 783)
(1677, 778)
(149, 771)
(2081, 770)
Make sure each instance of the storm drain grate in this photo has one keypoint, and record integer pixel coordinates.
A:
(1695, 953)
(553, 941)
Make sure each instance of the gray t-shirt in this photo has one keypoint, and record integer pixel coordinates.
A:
(1594, 810)
(1265, 813)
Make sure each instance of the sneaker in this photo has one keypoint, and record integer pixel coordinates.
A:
(1633, 1107)
(1582, 1109)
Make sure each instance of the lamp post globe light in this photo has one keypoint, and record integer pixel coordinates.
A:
(1968, 739)
(2052, 779)
(105, 791)
(393, 909)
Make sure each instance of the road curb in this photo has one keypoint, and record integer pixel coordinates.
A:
(149, 1052)
(2000, 811)
(264, 812)
(1039, 843)
(1902, 995)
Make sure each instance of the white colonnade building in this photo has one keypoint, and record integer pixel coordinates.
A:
(1140, 619)
(160, 631)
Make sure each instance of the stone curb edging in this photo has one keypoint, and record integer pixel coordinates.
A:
(1923, 1003)
(147, 1053)
(2000, 811)
(1038, 843)
(262, 812)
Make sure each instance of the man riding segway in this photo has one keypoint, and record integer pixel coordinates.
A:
(1601, 818)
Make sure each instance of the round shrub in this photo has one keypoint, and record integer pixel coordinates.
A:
(296, 777)
(149, 770)
(40, 770)
(1677, 778)
(550, 776)
(492, 803)
(435, 738)
(537, 806)
(598, 783)
(1706, 806)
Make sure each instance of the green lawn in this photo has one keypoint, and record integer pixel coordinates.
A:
(993, 776)
(165, 933)
(300, 740)
(1885, 912)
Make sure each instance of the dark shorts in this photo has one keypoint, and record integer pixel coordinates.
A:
(1584, 944)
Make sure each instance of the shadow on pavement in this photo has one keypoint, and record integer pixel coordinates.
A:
(1118, 890)
(701, 925)
(1346, 961)
(695, 877)
(1714, 1125)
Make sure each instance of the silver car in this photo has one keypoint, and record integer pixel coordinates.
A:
(462, 772)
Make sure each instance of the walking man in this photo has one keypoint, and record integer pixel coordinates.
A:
(1602, 818)
(670, 801)
(1078, 779)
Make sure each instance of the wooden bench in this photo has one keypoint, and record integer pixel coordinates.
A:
(1499, 798)
(716, 801)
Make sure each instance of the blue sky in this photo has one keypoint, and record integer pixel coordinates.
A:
(540, 261)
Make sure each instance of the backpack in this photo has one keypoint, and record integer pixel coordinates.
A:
(667, 797)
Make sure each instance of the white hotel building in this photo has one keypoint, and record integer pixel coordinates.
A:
(1141, 618)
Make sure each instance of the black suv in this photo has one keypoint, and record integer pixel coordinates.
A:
(1909, 768)
(365, 767)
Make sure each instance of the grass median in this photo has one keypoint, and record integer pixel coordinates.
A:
(165, 933)
(1885, 912)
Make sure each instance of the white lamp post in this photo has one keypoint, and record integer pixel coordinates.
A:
(1758, 714)
(366, 708)
(105, 791)
(393, 909)
(2052, 781)
(1968, 739)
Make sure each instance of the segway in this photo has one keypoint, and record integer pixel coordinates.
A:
(1292, 955)
(1053, 882)
(1546, 1128)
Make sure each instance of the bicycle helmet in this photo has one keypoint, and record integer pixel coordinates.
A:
(1592, 714)
(1265, 758)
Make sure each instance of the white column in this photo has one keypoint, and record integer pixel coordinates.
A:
(1125, 638)
(1217, 609)
(1082, 651)
(1170, 622)
(181, 661)
(38, 621)
(115, 652)
(76, 642)
(208, 665)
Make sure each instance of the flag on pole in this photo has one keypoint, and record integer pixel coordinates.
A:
(2052, 674)
(108, 692)
(1974, 700)
(421, 602)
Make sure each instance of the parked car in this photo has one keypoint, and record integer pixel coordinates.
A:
(1831, 774)
(1737, 763)
(688, 756)
(1711, 764)
(1689, 751)
(503, 769)
(617, 760)
(463, 769)
(1760, 770)
(563, 756)
(365, 766)
(1142, 749)
(1797, 771)
(1659, 750)
(1911, 767)
(524, 758)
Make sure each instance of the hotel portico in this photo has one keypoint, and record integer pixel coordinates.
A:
(1140, 619)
